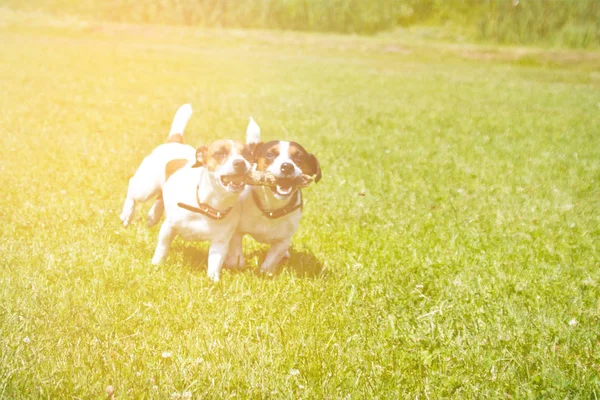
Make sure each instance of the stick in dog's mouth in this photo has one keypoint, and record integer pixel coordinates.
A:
(283, 185)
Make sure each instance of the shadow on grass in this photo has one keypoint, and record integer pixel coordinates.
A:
(195, 255)
(302, 263)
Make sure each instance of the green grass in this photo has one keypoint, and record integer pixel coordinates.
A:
(451, 249)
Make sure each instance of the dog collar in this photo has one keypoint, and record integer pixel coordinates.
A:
(205, 209)
(281, 212)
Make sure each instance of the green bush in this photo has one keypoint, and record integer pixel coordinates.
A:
(571, 23)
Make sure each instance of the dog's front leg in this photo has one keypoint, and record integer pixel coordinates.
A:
(165, 238)
(275, 254)
(216, 256)
(235, 255)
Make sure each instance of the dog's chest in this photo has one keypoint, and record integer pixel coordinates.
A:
(190, 225)
(264, 229)
(196, 227)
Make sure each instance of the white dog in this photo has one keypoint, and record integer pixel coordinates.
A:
(198, 189)
(272, 215)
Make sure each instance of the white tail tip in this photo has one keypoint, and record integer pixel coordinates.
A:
(182, 116)
(252, 132)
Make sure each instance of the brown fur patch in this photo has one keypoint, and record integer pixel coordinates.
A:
(173, 166)
(305, 161)
(300, 158)
(176, 138)
(218, 153)
(239, 147)
(262, 162)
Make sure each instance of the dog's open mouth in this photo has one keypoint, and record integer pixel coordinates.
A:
(284, 187)
(233, 182)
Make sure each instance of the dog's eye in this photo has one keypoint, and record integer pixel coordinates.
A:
(298, 157)
(270, 155)
(219, 154)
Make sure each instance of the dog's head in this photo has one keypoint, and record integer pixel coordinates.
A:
(226, 162)
(286, 161)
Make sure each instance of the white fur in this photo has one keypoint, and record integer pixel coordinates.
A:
(149, 178)
(181, 188)
(180, 121)
(252, 132)
(186, 185)
(276, 232)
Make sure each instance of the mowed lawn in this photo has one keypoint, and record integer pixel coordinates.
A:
(450, 250)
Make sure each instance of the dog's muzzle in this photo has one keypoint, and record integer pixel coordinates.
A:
(234, 183)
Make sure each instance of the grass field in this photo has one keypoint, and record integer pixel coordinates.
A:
(451, 249)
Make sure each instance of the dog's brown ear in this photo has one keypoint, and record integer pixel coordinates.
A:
(315, 167)
(256, 150)
(200, 156)
(248, 152)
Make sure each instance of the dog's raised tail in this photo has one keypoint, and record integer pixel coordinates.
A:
(252, 132)
(182, 116)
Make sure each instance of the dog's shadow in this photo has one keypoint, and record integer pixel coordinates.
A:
(302, 262)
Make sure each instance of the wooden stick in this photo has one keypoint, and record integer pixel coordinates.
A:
(260, 178)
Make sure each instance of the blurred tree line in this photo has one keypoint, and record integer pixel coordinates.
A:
(571, 23)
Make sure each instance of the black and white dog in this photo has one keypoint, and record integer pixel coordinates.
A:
(272, 214)
(198, 189)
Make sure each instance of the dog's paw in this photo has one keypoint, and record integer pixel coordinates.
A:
(266, 272)
(214, 276)
(158, 258)
(154, 215)
(128, 212)
(126, 218)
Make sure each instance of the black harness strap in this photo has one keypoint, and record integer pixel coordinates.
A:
(205, 209)
(282, 212)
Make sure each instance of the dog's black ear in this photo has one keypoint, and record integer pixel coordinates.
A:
(315, 167)
(251, 151)
(200, 156)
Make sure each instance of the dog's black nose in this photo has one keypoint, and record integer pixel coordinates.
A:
(239, 165)
(287, 168)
